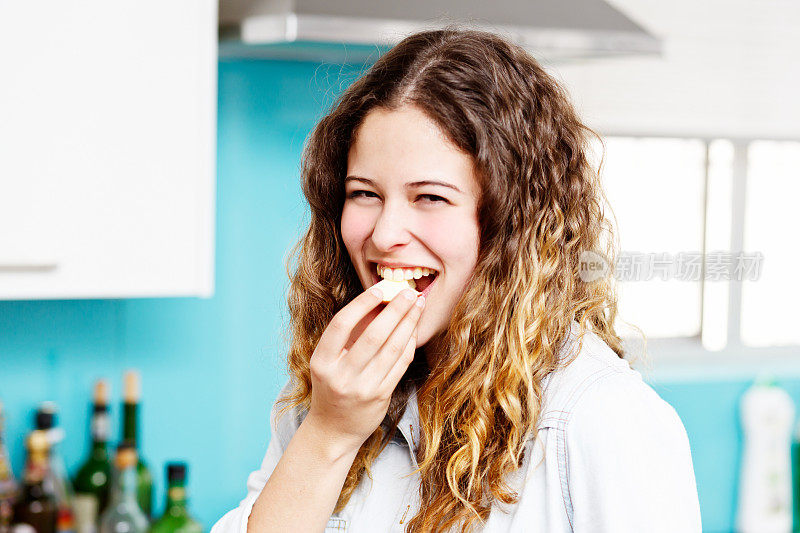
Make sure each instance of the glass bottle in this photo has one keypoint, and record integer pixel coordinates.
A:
(37, 505)
(46, 421)
(93, 479)
(130, 435)
(123, 514)
(9, 490)
(176, 518)
(796, 479)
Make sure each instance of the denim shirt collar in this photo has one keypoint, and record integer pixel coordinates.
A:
(408, 426)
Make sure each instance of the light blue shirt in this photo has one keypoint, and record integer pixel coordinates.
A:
(610, 456)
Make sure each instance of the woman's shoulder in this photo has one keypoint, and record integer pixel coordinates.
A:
(594, 383)
(621, 451)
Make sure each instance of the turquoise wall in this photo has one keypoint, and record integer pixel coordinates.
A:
(211, 368)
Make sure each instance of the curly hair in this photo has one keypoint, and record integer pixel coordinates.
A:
(541, 207)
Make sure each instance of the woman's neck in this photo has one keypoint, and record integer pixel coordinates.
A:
(434, 350)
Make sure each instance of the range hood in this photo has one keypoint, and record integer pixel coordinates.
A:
(552, 30)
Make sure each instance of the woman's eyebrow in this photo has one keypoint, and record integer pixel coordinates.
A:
(408, 185)
(432, 182)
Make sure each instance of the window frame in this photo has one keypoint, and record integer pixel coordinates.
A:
(685, 358)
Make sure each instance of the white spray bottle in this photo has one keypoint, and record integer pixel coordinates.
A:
(765, 484)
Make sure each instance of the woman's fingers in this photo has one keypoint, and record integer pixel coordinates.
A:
(333, 339)
(399, 367)
(395, 346)
(379, 331)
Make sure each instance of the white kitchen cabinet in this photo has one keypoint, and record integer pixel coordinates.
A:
(107, 148)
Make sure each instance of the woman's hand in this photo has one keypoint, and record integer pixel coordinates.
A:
(359, 360)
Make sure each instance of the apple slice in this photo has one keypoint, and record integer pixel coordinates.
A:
(390, 288)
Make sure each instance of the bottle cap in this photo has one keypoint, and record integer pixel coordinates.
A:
(176, 472)
(766, 379)
(101, 393)
(46, 415)
(131, 389)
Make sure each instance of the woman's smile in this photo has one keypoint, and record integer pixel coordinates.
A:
(424, 278)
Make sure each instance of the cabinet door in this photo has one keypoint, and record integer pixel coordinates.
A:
(107, 148)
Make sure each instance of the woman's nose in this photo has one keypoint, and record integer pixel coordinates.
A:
(391, 228)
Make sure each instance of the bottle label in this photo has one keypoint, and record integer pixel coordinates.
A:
(85, 506)
(176, 493)
(100, 427)
(7, 484)
(65, 523)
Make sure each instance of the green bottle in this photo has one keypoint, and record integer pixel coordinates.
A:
(130, 432)
(92, 483)
(176, 517)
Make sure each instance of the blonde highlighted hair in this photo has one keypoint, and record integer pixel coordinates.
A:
(540, 208)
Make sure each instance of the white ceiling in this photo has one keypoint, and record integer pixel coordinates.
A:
(729, 68)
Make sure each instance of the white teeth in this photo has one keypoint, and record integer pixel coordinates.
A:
(403, 274)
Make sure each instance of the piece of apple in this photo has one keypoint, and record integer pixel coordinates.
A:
(390, 288)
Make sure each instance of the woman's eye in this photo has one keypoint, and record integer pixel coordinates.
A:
(428, 197)
(433, 197)
(357, 194)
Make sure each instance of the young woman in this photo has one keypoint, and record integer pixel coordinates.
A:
(498, 400)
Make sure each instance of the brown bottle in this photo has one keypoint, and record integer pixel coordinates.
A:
(37, 505)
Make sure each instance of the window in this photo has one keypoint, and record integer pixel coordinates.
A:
(720, 206)
(769, 303)
(655, 187)
(719, 198)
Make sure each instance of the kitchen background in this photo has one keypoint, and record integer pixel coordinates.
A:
(676, 124)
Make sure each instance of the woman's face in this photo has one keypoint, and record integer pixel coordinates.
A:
(394, 214)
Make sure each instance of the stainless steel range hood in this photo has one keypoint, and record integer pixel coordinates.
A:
(553, 30)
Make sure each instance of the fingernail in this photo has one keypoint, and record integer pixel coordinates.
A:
(377, 292)
(420, 301)
(409, 295)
